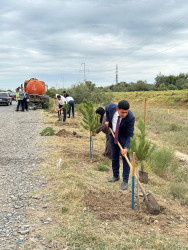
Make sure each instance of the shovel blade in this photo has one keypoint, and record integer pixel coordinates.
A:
(152, 205)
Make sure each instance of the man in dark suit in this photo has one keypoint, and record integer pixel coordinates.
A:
(121, 120)
(65, 94)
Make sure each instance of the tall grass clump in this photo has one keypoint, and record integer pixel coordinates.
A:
(174, 127)
(179, 191)
(162, 161)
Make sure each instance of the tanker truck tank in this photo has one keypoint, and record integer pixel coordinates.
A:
(37, 92)
(34, 86)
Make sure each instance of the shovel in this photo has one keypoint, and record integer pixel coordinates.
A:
(151, 203)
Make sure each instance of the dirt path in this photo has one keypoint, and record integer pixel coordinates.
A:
(19, 165)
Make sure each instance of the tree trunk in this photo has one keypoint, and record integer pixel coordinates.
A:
(143, 176)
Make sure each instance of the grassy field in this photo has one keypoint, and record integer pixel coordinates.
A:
(165, 99)
(87, 211)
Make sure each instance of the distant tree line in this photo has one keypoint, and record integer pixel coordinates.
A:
(162, 82)
(81, 91)
(88, 90)
(172, 82)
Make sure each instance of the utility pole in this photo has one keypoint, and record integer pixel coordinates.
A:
(84, 70)
(116, 73)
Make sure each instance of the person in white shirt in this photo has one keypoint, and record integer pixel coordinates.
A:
(70, 101)
(62, 101)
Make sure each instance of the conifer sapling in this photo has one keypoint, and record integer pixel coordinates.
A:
(90, 120)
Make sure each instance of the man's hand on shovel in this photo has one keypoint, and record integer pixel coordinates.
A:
(124, 151)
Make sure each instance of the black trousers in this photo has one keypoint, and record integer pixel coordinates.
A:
(22, 104)
(25, 103)
(18, 105)
(64, 113)
(115, 161)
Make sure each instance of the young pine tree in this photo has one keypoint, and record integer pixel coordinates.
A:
(90, 120)
(141, 146)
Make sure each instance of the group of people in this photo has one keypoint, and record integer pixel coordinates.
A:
(63, 101)
(22, 99)
(121, 120)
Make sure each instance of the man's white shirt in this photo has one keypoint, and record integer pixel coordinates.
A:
(69, 98)
(114, 121)
(62, 101)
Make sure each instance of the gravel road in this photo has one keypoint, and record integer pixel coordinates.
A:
(4, 109)
(19, 164)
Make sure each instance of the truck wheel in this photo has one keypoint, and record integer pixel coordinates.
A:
(44, 106)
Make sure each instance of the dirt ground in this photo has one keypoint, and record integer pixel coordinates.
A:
(89, 213)
(109, 206)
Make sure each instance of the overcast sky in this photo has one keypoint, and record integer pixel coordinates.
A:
(52, 40)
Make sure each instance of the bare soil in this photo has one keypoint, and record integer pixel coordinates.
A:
(65, 133)
(110, 206)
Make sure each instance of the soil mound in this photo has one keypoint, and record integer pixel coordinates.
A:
(63, 133)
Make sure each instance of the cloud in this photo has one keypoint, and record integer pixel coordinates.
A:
(50, 39)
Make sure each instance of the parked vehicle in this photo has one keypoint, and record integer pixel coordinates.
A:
(13, 96)
(36, 92)
(5, 98)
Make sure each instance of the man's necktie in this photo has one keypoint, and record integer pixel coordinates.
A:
(117, 130)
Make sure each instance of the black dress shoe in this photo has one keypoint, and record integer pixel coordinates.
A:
(113, 179)
(124, 185)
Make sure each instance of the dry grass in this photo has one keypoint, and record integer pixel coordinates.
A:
(88, 212)
(171, 98)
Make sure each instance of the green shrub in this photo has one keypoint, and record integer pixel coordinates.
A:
(48, 105)
(161, 161)
(65, 210)
(103, 168)
(66, 107)
(89, 91)
(49, 131)
(179, 191)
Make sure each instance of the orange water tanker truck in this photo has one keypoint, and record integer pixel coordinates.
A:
(37, 93)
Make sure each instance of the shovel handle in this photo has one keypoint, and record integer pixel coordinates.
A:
(130, 165)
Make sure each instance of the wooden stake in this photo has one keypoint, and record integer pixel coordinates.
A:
(145, 110)
(138, 197)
